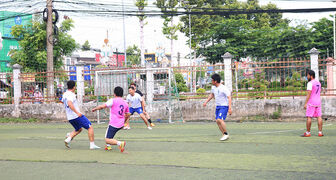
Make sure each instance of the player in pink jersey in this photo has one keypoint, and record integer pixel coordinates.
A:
(313, 103)
(118, 113)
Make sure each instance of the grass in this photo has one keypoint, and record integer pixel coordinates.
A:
(170, 151)
(18, 120)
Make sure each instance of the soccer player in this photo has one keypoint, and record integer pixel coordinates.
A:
(136, 103)
(313, 103)
(222, 97)
(118, 111)
(75, 117)
(144, 110)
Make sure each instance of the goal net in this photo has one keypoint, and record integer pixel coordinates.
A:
(158, 86)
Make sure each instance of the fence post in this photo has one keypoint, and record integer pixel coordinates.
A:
(149, 84)
(17, 89)
(331, 75)
(227, 57)
(314, 64)
(80, 81)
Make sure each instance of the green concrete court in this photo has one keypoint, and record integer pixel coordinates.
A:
(170, 151)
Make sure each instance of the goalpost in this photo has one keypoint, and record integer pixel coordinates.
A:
(157, 84)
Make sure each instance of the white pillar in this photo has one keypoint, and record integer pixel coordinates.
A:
(17, 89)
(149, 84)
(314, 64)
(227, 57)
(80, 82)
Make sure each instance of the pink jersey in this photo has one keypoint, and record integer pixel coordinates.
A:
(118, 109)
(315, 87)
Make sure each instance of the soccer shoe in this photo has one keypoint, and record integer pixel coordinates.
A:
(108, 148)
(67, 144)
(126, 127)
(320, 134)
(152, 124)
(224, 137)
(122, 146)
(149, 128)
(94, 147)
(305, 135)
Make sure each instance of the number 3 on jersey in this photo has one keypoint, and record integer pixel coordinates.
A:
(121, 112)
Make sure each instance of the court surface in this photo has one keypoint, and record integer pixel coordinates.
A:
(170, 151)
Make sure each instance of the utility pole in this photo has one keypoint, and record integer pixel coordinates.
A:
(125, 54)
(50, 55)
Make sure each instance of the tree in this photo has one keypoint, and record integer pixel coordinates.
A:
(141, 4)
(169, 30)
(133, 55)
(32, 55)
(181, 85)
(86, 46)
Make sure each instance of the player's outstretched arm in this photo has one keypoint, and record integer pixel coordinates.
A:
(99, 107)
(211, 95)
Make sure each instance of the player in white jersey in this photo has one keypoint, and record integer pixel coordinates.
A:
(136, 104)
(222, 97)
(75, 117)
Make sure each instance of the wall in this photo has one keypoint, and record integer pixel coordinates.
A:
(291, 109)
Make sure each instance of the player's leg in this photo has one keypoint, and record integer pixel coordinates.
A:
(110, 133)
(143, 117)
(126, 124)
(85, 123)
(149, 119)
(221, 114)
(318, 114)
(309, 114)
(78, 129)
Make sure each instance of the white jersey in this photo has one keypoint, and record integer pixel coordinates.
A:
(221, 94)
(134, 100)
(70, 96)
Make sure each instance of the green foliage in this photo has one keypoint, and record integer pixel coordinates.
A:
(260, 35)
(276, 114)
(32, 55)
(181, 85)
(86, 46)
(141, 4)
(171, 6)
(259, 83)
(294, 82)
(17, 120)
(133, 55)
(200, 90)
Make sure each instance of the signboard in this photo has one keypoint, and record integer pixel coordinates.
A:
(11, 19)
(27, 78)
(73, 73)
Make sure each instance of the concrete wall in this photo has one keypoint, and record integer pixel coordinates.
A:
(291, 109)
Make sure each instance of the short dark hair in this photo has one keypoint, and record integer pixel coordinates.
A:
(131, 87)
(133, 84)
(118, 91)
(71, 84)
(311, 73)
(216, 77)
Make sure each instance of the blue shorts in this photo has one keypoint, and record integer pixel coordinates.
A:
(80, 122)
(221, 112)
(138, 110)
(111, 131)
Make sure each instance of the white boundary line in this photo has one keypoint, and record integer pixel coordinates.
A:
(270, 132)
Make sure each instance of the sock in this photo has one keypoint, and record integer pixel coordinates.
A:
(225, 133)
(92, 144)
(307, 132)
(320, 132)
(149, 120)
(68, 139)
(108, 145)
(118, 143)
